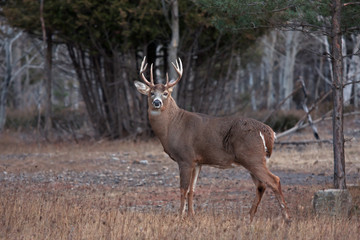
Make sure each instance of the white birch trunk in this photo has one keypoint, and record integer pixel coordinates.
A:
(346, 74)
(353, 74)
(292, 40)
(356, 60)
(268, 60)
(252, 89)
(17, 83)
(5, 84)
(9, 39)
(327, 50)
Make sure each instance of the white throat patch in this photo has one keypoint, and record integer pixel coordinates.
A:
(155, 112)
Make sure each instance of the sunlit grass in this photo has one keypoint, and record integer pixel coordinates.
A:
(65, 210)
(92, 214)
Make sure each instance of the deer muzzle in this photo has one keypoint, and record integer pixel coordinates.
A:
(157, 103)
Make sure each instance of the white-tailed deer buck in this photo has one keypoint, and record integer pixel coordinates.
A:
(193, 139)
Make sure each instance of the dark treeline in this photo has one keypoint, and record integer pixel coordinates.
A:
(225, 72)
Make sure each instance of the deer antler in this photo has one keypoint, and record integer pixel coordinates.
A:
(142, 70)
(179, 69)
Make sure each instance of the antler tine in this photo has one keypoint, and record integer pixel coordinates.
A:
(151, 74)
(179, 69)
(142, 70)
(167, 79)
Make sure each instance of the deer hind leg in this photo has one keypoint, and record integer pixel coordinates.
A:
(260, 190)
(263, 174)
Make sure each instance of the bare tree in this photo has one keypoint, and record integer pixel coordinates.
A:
(352, 70)
(175, 38)
(269, 62)
(9, 37)
(47, 38)
(338, 128)
(292, 41)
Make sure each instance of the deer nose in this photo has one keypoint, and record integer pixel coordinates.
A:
(157, 103)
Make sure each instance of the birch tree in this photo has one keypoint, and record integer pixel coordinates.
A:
(269, 61)
(351, 69)
(9, 36)
(291, 47)
(47, 39)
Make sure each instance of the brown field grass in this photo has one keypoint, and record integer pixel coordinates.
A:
(100, 190)
(91, 214)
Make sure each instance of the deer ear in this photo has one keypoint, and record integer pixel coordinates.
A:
(142, 87)
(170, 89)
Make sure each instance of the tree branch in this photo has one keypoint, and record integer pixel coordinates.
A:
(351, 3)
(323, 118)
(281, 103)
(351, 82)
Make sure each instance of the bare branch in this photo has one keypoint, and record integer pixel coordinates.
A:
(281, 103)
(351, 3)
(351, 82)
(299, 127)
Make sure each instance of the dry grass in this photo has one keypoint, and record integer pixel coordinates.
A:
(93, 215)
(70, 210)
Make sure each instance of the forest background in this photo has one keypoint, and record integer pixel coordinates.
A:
(67, 67)
(67, 70)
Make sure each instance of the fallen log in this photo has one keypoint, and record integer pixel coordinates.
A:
(330, 141)
(299, 127)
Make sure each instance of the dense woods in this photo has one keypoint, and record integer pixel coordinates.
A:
(236, 61)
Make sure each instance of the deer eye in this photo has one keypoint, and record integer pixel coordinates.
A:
(152, 94)
(165, 94)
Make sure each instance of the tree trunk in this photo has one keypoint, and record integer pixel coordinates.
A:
(47, 40)
(48, 84)
(268, 59)
(252, 88)
(173, 47)
(346, 74)
(17, 80)
(337, 63)
(6, 83)
(9, 39)
(292, 40)
(354, 68)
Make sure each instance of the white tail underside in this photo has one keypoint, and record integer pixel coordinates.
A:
(263, 139)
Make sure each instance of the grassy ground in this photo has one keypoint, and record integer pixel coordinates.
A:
(93, 214)
(103, 190)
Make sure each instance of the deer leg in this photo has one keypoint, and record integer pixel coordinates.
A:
(194, 178)
(185, 179)
(260, 190)
(266, 177)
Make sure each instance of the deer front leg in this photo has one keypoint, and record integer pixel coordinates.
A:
(185, 180)
(194, 178)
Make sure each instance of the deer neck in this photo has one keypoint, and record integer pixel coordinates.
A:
(161, 119)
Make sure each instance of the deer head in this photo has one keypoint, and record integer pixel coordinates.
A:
(158, 94)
